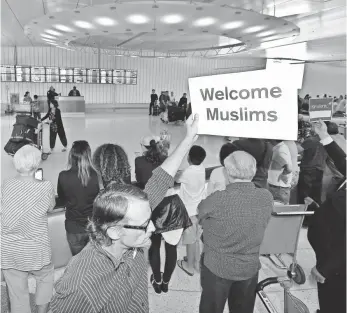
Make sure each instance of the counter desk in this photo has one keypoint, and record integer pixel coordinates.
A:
(66, 104)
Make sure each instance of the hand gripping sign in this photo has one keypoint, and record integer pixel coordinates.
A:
(255, 104)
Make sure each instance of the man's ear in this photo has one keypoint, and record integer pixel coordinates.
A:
(114, 232)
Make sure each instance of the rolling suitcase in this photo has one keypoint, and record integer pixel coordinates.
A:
(12, 147)
(156, 110)
(175, 114)
(27, 120)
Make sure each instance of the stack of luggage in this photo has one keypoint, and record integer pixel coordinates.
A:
(176, 114)
(24, 132)
(156, 110)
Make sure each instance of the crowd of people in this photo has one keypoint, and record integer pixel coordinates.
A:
(111, 222)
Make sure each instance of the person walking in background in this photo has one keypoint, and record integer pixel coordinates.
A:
(234, 222)
(280, 172)
(27, 99)
(51, 94)
(77, 188)
(154, 98)
(149, 161)
(327, 234)
(56, 126)
(25, 243)
(192, 192)
(35, 108)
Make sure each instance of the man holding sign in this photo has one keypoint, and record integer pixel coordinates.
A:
(252, 105)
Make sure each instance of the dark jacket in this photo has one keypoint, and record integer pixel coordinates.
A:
(56, 118)
(170, 214)
(183, 102)
(143, 170)
(77, 93)
(51, 94)
(77, 199)
(262, 152)
(327, 231)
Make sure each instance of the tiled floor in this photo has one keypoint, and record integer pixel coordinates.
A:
(127, 129)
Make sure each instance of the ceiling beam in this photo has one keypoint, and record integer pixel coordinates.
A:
(132, 38)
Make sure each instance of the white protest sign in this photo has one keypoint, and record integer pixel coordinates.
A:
(320, 109)
(255, 104)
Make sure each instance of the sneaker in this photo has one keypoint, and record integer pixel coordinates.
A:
(63, 150)
(156, 286)
(51, 151)
(164, 285)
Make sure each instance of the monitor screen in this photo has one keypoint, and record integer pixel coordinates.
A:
(93, 75)
(38, 74)
(130, 81)
(106, 76)
(131, 73)
(8, 73)
(23, 73)
(80, 75)
(52, 74)
(66, 75)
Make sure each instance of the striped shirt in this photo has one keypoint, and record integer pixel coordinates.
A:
(25, 244)
(234, 221)
(95, 282)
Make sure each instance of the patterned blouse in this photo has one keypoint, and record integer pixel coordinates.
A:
(25, 244)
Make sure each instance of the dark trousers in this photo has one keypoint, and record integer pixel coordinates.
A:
(216, 291)
(77, 241)
(332, 294)
(151, 105)
(53, 137)
(154, 258)
(310, 185)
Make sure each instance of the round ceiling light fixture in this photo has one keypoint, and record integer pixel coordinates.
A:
(63, 28)
(134, 56)
(53, 32)
(233, 25)
(161, 57)
(105, 21)
(205, 21)
(83, 24)
(172, 19)
(47, 36)
(254, 29)
(267, 33)
(138, 19)
(47, 40)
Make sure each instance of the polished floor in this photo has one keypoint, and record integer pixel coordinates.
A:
(127, 129)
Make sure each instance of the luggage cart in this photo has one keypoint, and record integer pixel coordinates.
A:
(282, 236)
(277, 250)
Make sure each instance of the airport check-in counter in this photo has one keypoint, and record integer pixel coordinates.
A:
(66, 104)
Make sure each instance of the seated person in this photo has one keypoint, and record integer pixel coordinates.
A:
(183, 101)
(192, 191)
(110, 274)
(149, 161)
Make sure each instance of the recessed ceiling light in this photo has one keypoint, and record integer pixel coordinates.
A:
(205, 21)
(138, 19)
(254, 29)
(53, 32)
(47, 36)
(48, 40)
(265, 34)
(134, 56)
(105, 21)
(172, 19)
(83, 24)
(232, 25)
(63, 28)
(161, 57)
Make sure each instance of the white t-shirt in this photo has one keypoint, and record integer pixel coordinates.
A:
(293, 149)
(192, 190)
(280, 157)
(217, 180)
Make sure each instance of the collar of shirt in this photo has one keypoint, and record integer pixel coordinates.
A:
(131, 253)
(240, 185)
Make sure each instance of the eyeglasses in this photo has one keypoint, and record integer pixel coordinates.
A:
(143, 227)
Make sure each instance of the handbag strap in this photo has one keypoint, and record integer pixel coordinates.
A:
(101, 184)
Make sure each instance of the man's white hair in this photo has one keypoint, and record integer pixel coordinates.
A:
(241, 165)
(27, 159)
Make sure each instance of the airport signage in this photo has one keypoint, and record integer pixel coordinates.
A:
(254, 104)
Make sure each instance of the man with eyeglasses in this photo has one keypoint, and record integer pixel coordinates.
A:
(110, 274)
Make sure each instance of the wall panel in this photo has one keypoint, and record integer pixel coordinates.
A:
(161, 74)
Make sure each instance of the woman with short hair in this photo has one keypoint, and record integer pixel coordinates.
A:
(77, 188)
(112, 163)
(25, 243)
